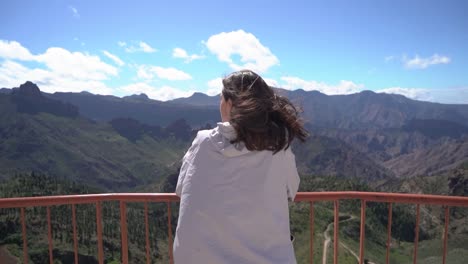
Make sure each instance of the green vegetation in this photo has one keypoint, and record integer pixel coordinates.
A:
(48, 148)
(403, 223)
(35, 184)
(77, 148)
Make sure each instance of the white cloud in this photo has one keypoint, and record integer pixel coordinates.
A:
(113, 57)
(163, 93)
(343, 87)
(74, 11)
(142, 47)
(422, 63)
(76, 65)
(182, 54)
(146, 48)
(252, 53)
(271, 82)
(14, 50)
(12, 74)
(413, 93)
(215, 86)
(389, 58)
(58, 70)
(148, 72)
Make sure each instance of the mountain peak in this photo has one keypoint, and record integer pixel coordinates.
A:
(369, 92)
(198, 94)
(141, 96)
(29, 89)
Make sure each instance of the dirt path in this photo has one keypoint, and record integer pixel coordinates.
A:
(6, 257)
(353, 253)
(326, 242)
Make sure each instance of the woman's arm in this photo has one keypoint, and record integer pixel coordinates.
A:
(187, 161)
(293, 179)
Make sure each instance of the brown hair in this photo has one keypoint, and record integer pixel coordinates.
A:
(262, 119)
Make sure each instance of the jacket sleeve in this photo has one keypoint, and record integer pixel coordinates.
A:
(293, 179)
(187, 161)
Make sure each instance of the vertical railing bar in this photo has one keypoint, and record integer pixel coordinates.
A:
(169, 232)
(389, 231)
(147, 234)
(447, 219)
(75, 240)
(416, 237)
(25, 241)
(362, 231)
(99, 232)
(335, 232)
(311, 219)
(123, 231)
(49, 236)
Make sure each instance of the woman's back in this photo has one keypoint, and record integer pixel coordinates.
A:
(236, 179)
(234, 202)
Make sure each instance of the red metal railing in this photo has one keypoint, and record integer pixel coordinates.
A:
(124, 198)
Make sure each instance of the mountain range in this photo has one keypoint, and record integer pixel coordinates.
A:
(135, 140)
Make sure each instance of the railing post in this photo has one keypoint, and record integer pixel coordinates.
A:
(311, 219)
(416, 237)
(147, 235)
(362, 231)
(75, 239)
(123, 231)
(25, 240)
(335, 232)
(447, 218)
(99, 232)
(389, 232)
(169, 232)
(49, 236)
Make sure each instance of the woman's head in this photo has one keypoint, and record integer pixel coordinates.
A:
(262, 119)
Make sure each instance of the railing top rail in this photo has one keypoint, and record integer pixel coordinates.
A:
(384, 197)
(19, 202)
(86, 199)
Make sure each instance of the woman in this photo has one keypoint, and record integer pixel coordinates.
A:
(236, 179)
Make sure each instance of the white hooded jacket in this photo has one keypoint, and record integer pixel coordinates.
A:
(234, 202)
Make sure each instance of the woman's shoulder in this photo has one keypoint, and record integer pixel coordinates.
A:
(202, 137)
(222, 130)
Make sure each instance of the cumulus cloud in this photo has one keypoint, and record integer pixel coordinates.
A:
(163, 93)
(140, 47)
(12, 74)
(343, 87)
(422, 63)
(413, 93)
(215, 86)
(14, 50)
(58, 70)
(74, 11)
(76, 65)
(182, 54)
(271, 82)
(113, 57)
(149, 72)
(253, 55)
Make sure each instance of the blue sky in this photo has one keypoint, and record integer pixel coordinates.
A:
(170, 49)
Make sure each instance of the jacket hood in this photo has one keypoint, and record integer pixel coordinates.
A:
(221, 137)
